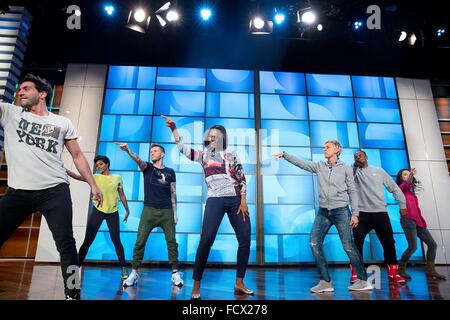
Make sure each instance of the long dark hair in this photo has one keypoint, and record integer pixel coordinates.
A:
(399, 179)
(222, 130)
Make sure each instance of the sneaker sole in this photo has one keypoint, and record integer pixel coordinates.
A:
(324, 290)
(361, 289)
(179, 284)
(127, 286)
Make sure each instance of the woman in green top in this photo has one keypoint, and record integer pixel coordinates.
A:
(111, 186)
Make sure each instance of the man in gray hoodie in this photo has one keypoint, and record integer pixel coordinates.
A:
(370, 182)
(336, 191)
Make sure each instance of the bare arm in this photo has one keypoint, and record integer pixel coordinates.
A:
(141, 163)
(124, 202)
(173, 193)
(191, 154)
(83, 168)
(75, 176)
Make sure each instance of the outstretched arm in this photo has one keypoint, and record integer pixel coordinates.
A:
(302, 164)
(191, 154)
(141, 163)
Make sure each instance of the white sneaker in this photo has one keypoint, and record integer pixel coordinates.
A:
(176, 279)
(360, 285)
(131, 280)
(323, 286)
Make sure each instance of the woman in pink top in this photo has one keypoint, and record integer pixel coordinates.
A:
(414, 225)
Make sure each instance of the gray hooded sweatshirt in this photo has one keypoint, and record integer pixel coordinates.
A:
(336, 184)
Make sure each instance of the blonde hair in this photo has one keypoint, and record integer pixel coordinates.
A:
(336, 144)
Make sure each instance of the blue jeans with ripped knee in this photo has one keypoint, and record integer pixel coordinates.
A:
(340, 217)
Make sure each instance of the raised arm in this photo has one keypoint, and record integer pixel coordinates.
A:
(191, 154)
(75, 176)
(302, 164)
(83, 168)
(141, 163)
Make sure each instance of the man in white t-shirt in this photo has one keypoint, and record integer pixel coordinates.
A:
(37, 179)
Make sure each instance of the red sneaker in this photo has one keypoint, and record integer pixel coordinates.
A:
(393, 275)
(353, 277)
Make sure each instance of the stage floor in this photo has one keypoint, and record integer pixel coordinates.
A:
(26, 280)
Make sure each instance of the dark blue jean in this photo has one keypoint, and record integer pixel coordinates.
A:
(339, 217)
(215, 209)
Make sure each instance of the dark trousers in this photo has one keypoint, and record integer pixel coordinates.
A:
(56, 205)
(380, 222)
(214, 211)
(412, 231)
(94, 222)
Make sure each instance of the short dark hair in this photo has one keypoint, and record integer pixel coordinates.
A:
(42, 85)
(222, 130)
(362, 151)
(158, 146)
(105, 159)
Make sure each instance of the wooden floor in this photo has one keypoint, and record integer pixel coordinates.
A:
(26, 280)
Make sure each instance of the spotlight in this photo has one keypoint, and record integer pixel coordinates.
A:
(279, 18)
(357, 24)
(406, 37)
(402, 36)
(138, 20)
(139, 15)
(109, 10)
(259, 26)
(77, 13)
(172, 16)
(320, 27)
(440, 32)
(205, 13)
(258, 23)
(160, 11)
(307, 16)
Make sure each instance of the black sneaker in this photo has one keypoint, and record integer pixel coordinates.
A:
(74, 295)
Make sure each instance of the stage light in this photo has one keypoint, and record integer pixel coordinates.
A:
(357, 25)
(308, 17)
(320, 27)
(159, 13)
(172, 16)
(258, 23)
(205, 13)
(139, 15)
(138, 20)
(402, 36)
(77, 13)
(406, 37)
(259, 26)
(412, 39)
(109, 10)
(279, 18)
(440, 32)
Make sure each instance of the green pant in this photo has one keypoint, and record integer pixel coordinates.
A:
(151, 218)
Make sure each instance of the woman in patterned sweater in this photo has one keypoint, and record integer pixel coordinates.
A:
(227, 190)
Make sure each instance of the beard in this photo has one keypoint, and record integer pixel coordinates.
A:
(28, 103)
